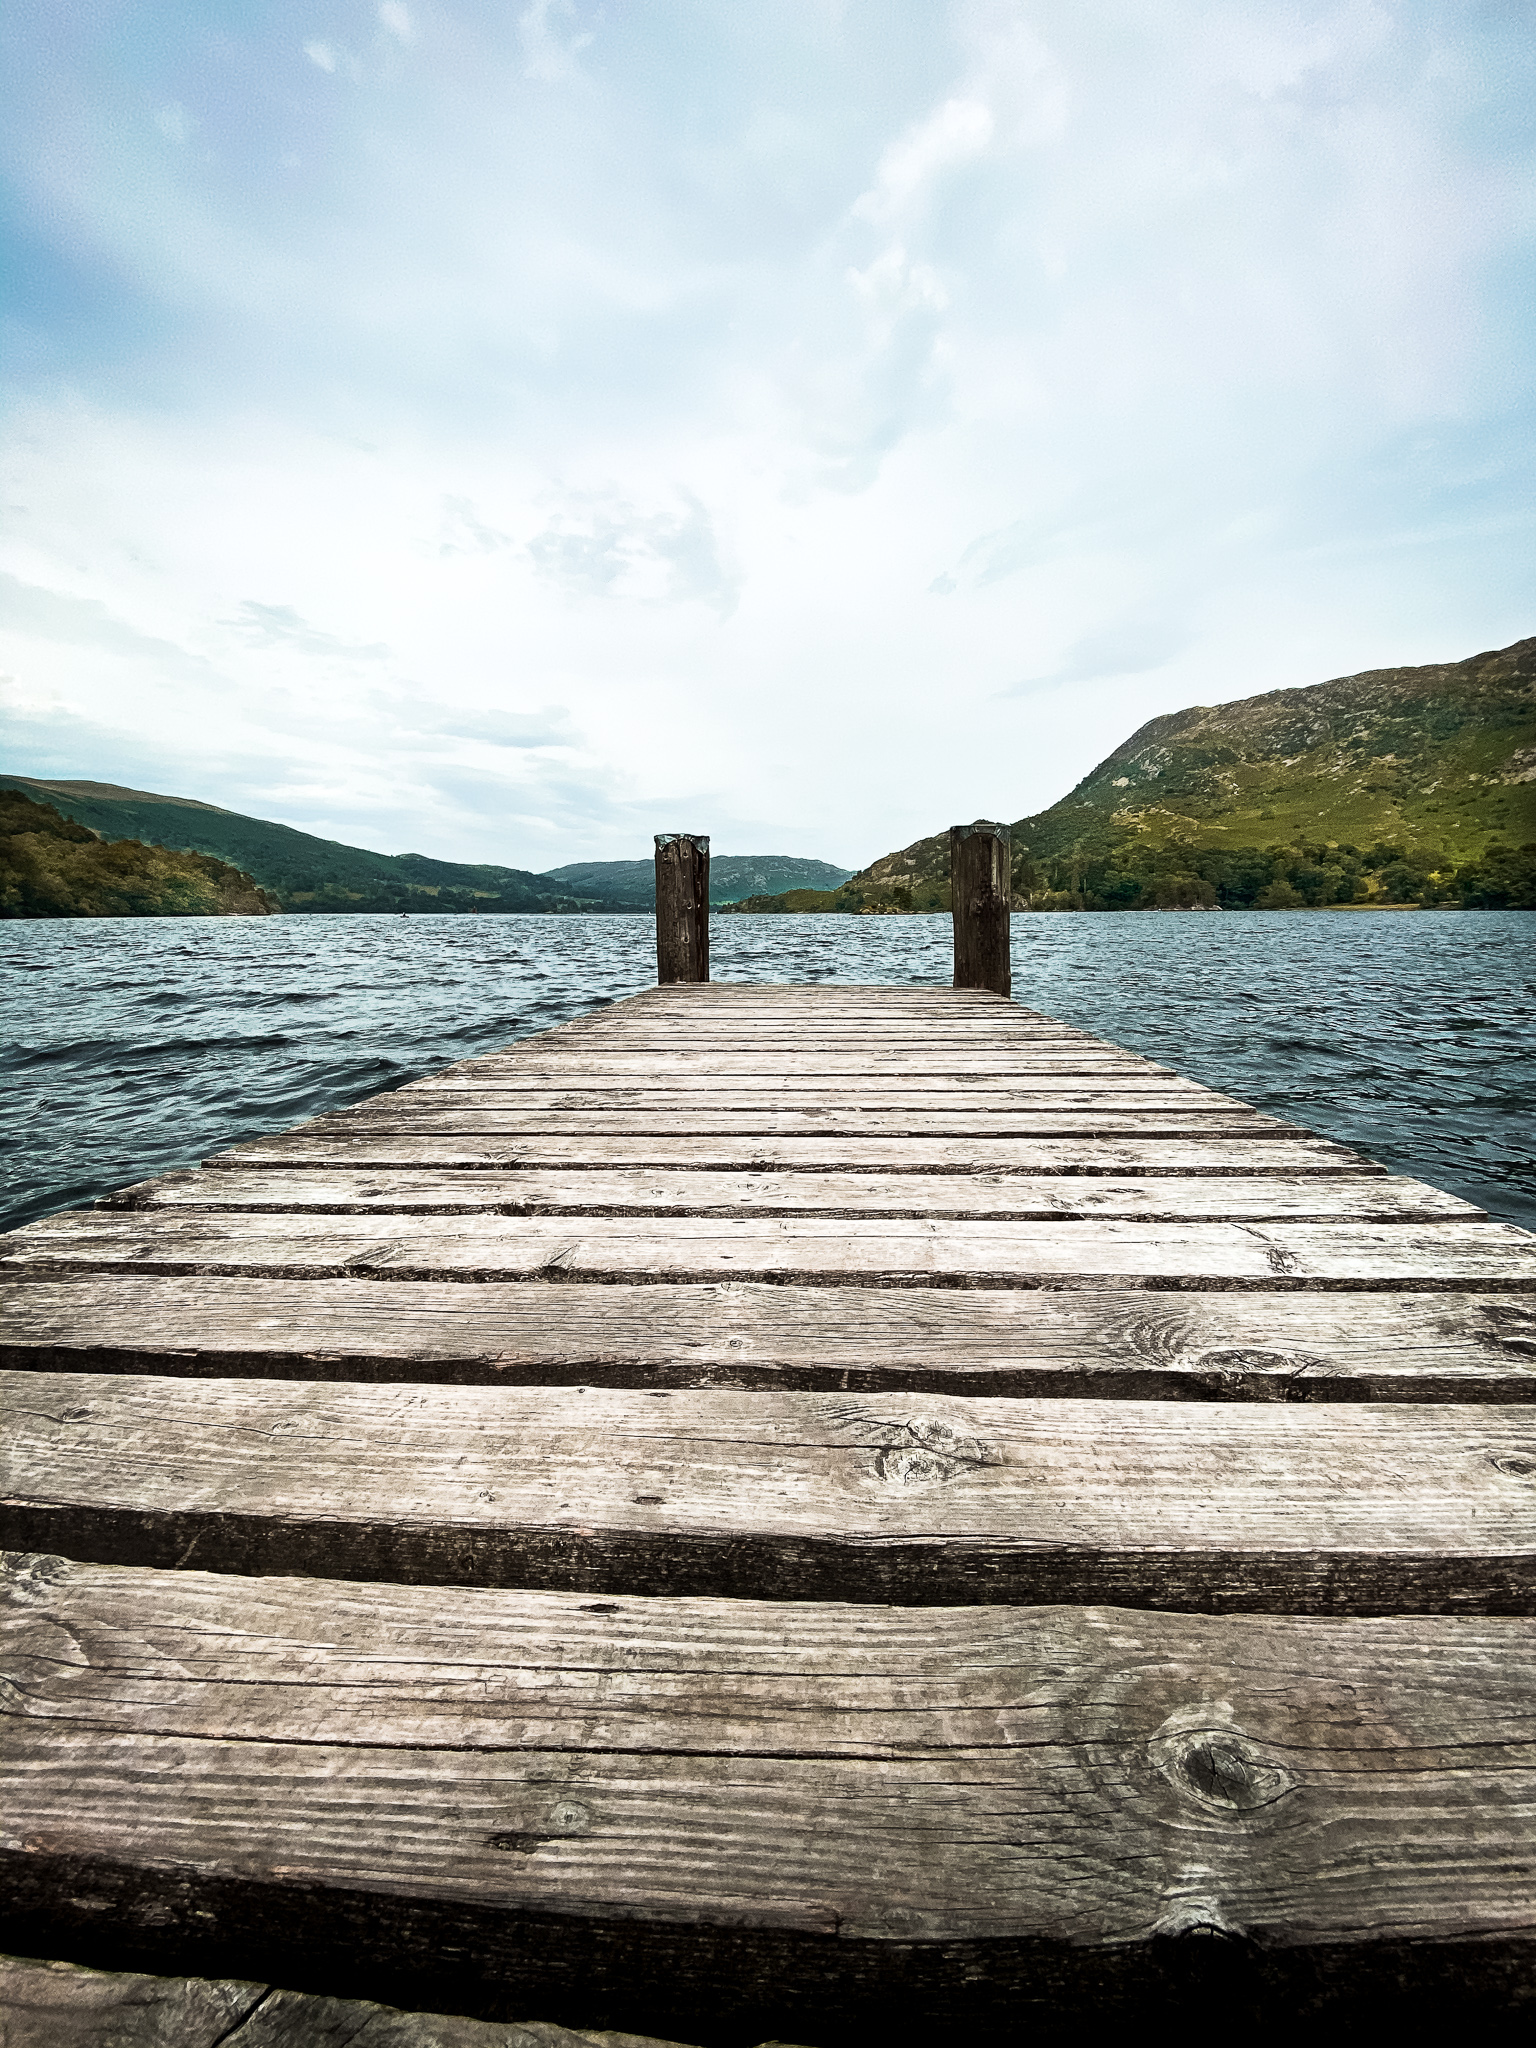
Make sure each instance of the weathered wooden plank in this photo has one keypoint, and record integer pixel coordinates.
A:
(807, 1034)
(1364, 1198)
(807, 1040)
(1218, 1508)
(1104, 1343)
(64, 2005)
(1371, 1858)
(757, 994)
(355, 1781)
(348, 1144)
(762, 1117)
(843, 1251)
(869, 1088)
(814, 1076)
(874, 1106)
(808, 1044)
(195, 1654)
(57, 2005)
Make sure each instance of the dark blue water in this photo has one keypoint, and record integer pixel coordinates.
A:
(139, 1044)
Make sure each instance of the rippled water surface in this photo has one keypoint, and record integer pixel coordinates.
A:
(140, 1044)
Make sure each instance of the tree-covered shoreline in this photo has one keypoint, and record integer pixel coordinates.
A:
(52, 867)
(1306, 876)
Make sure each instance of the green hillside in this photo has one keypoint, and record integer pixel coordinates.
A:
(52, 867)
(1410, 785)
(731, 877)
(303, 872)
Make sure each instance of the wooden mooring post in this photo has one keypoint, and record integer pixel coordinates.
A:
(682, 906)
(979, 879)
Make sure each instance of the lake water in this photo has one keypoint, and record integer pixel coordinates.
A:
(135, 1045)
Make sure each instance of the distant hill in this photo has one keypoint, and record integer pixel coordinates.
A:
(1396, 785)
(301, 871)
(731, 876)
(52, 867)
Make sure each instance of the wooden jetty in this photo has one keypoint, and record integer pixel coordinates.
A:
(780, 1510)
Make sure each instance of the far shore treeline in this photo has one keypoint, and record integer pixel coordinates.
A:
(1397, 787)
(1310, 875)
(92, 849)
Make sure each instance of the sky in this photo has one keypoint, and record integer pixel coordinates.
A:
(503, 431)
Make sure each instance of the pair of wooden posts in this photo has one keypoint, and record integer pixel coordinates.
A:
(979, 879)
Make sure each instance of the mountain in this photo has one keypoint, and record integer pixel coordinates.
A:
(52, 867)
(300, 871)
(1396, 785)
(731, 876)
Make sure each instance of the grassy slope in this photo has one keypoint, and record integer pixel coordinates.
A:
(50, 866)
(300, 869)
(1438, 760)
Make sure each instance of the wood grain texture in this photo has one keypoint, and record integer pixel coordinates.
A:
(747, 1812)
(765, 1117)
(980, 867)
(996, 1087)
(62, 2005)
(352, 1144)
(914, 1064)
(599, 1364)
(56, 2005)
(1103, 1343)
(837, 1251)
(713, 1095)
(809, 1036)
(1215, 1508)
(682, 907)
(994, 1197)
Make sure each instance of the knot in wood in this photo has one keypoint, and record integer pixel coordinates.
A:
(1246, 1373)
(931, 1453)
(1221, 1769)
(914, 1468)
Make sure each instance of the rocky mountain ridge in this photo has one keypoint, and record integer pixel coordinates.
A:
(1397, 785)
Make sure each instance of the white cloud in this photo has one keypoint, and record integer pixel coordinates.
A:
(600, 546)
(954, 133)
(279, 625)
(1129, 647)
(174, 123)
(464, 532)
(785, 403)
(36, 612)
(551, 41)
(396, 18)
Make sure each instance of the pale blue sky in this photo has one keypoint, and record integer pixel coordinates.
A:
(502, 431)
